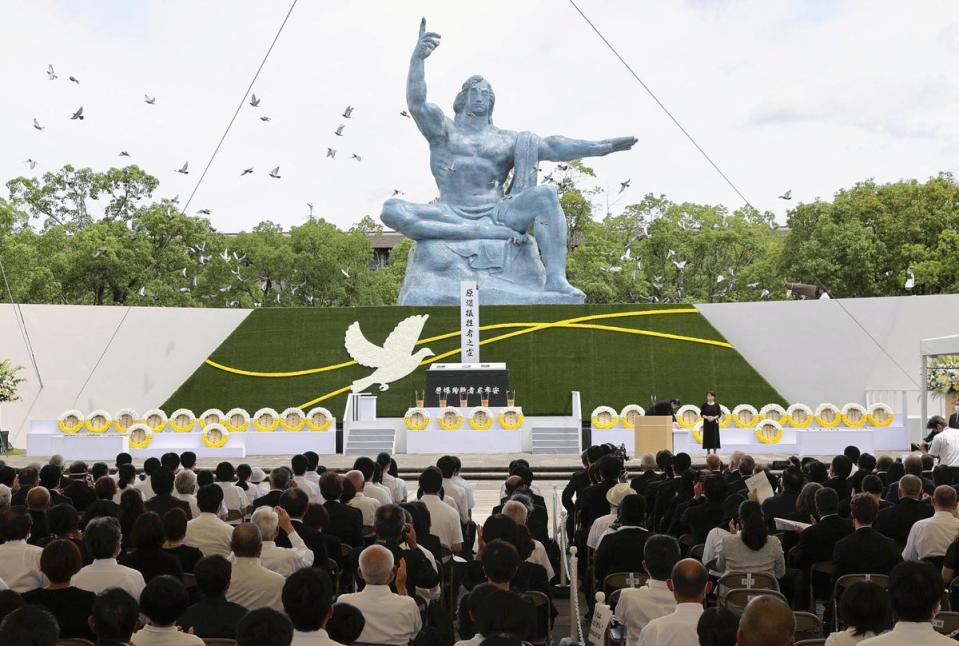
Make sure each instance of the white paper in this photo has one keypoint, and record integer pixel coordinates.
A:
(602, 615)
(760, 483)
(784, 525)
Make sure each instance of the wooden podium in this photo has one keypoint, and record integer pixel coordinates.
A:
(653, 433)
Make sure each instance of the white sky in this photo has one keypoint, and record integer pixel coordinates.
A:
(811, 95)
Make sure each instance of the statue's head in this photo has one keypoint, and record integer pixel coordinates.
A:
(476, 98)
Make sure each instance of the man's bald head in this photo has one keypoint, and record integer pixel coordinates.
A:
(356, 479)
(38, 499)
(689, 581)
(246, 541)
(767, 621)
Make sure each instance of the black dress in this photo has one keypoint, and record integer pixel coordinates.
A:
(711, 429)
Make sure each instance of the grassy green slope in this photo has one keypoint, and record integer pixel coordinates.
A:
(606, 367)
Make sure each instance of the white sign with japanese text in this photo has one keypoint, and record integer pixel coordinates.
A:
(469, 321)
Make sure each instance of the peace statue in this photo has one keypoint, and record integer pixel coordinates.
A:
(478, 230)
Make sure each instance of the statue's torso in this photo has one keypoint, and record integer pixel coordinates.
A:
(470, 167)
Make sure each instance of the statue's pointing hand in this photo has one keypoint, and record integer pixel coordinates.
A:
(427, 42)
(618, 144)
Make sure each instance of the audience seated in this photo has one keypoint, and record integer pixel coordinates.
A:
(391, 618)
(346, 523)
(29, 626)
(252, 585)
(296, 503)
(839, 472)
(114, 618)
(689, 584)
(19, 561)
(280, 479)
(345, 624)
(163, 600)
(147, 555)
(518, 512)
(817, 544)
(71, 606)
(163, 500)
(393, 533)
(499, 562)
(647, 473)
(207, 532)
(783, 504)
(749, 547)
(390, 479)
(65, 524)
(131, 508)
(896, 521)
(359, 500)
(865, 551)
(51, 477)
(381, 494)
(282, 560)
(931, 537)
(495, 611)
(102, 539)
(622, 548)
(212, 615)
(300, 464)
(174, 533)
(638, 606)
(307, 601)
(444, 520)
(264, 627)
(911, 465)
(614, 496)
(592, 503)
(233, 497)
(717, 627)
(865, 609)
(38, 503)
(766, 621)
(915, 590)
(705, 510)
(9, 601)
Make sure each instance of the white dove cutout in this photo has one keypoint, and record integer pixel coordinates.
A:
(394, 360)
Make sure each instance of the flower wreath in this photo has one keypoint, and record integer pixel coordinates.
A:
(244, 420)
(847, 416)
(266, 428)
(505, 423)
(67, 428)
(745, 408)
(160, 416)
(211, 412)
(480, 426)
(296, 427)
(763, 428)
(121, 426)
(187, 426)
(442, 421)
(325, 424)
(681, 416)
(136, 430)
(214, 443)
(424, 417)
(696, 432)
(630, 409)
(836, 415)
(887, 417)
(93, 427)
(767, 412)
(807, 415)
(726, 418)
(604, 410)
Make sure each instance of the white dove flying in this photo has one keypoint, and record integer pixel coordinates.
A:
(394, 360)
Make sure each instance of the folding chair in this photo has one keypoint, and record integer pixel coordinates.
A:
(946, 623)
(824, 568)
(189, 580)
(76, 641)
(219, 641)
(334, 569)
(696, 552)
(846, 581)
(615, 634)
(544, 607)
(810, 642)
(617, 580)
(735, 600)
(808, 626)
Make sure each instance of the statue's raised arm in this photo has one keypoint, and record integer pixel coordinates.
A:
(428, 117)
(557, 148)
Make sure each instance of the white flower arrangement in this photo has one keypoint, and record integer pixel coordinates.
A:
(775, 412)
(324, 421)
(627, 416)
(881, 414)
(416, 419)
(799, 416)
(71, 421)
(140, 435)
(828, 415)
(769, 431)
(214, 436)
(182, 420)
(215, 413)
(480, 418)
(99, 421)
(297, 424)
(236, 425)
(603, 417)
(124, 419)
(454, 423)
(266, 420)
(854, 415)
(156, 419)
(745, 416)
(687, 416)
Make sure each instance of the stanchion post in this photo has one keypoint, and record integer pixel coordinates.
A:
(575, 627)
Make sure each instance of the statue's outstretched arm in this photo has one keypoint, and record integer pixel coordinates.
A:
(428, 117)
(558, 148)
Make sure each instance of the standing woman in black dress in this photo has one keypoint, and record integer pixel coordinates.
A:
(711, 412)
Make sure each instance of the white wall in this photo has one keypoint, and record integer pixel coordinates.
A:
(146, 354)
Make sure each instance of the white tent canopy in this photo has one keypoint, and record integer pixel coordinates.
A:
(935, 347)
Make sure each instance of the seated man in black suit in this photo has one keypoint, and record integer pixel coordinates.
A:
(669, 488)
(784, 503)
(896, 521)
(912, 464)
(872, 485)
(621, 550)
(866, 466)
(865, 551)
(80, 489)
(592, 503)
(538, 519)
(296, 502)
(27, 478)
(706, 509)
(50, 477)
(346, 523)
(736, 481)
(279, 482)
(817, 544)
(213, 616)
(647, 473)
(838, 476)
(393, 533)
(163, 499)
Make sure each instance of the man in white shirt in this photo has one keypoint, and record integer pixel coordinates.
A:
(306, 601)
(689, 584)
(614, 497)
(932, 536)
(379, 493)
(233, 497)
(163, 601)
(282, 560)
(299, 465)
(19, 562)
(102, 539)
(361, 501)
(206, 531)
(447, 467)
(391, 618)
(145, 487)
(252, 585)
(396, 486)
(766, 621)
(313, 463)
(915, 593)
(945, 446)
(461, 481)
(258, 488)
(638, 606)
(519, 513)
(444, 520)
